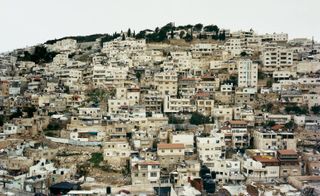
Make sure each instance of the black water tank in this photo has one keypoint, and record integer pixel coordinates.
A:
(108, 190)
(209, 186)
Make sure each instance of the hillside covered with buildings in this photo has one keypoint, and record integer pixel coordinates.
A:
(180, 110)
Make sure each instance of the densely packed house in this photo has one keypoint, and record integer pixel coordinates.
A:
(203, 112)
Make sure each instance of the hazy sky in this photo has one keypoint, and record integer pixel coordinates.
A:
(29, 22)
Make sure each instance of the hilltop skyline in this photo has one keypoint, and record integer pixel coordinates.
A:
(107, 17)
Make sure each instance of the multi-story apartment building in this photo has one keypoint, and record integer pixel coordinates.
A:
(236, 134)
(276, 37)
(153, 101)
(235, 45)
(264, 139)
(187, 87)
(187, 171)
(145, 172)
(227, 171)
(247, 73)
(117, 153)
(170, 155)
(205, 105)
(69, 76)
(277, 58)
(260, 168)
(166, 83)
(211, 148)
(223, 113)
(175, 105)
(289, 163)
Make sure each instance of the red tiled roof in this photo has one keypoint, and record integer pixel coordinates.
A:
(265, 159)
(170, 146)
(237, 122)
(277, 127)
(202, 94)
(287, 152)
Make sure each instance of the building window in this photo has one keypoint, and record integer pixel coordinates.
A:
(153, 174)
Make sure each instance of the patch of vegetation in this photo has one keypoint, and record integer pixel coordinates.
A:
(98, 95)
(53, 128)
(50, 133)
(79, 39)
(316, 109)
(40, 55)
(269, 83)
(290, 124)
(160, 34)
(243, 54)
(66, 154)
(30, 110)
(269, 124)
(2, 120)
(294, 109)
(232, 79)
(261, 75)
(267, 107)
(198, 119)
(174, 120)
(88, 38)
(54, 125)
(96, 159)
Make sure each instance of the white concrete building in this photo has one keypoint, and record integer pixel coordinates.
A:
(145, 172)
(211, 148)
(247, 73)
(175, 105)
(166, 83)
(277, 37)
(277, 58)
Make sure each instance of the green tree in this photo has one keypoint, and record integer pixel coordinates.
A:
(171, 34)
(2, 120)
(138, 75)
(215, 36)
(316, 109)
(96, 159)
(30, 111)
(294, 109)
(188, 37)
(232, 79)
(222, 36)
(40, 55)
(174, 120)
(270, 123)
(243, 53)
(123, 37)
(269, 83)
(198, 119)
(198, 27)
(261, 75)
(211, 28)
(129, 32)
(289, 125)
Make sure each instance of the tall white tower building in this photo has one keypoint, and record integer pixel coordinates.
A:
(247, 73)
